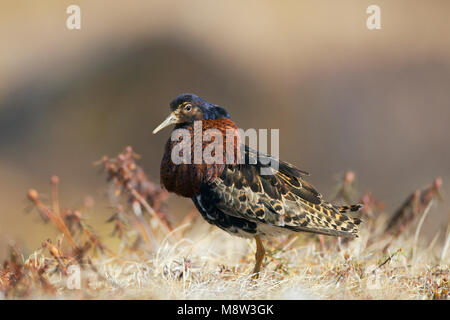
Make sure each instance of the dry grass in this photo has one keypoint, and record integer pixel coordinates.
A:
(153, 260)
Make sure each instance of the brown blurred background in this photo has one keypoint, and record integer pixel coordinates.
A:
(376, 102)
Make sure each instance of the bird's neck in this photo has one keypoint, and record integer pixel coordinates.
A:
(183, 173)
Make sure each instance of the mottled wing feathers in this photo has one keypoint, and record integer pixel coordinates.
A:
(283, 200)
(264, 160)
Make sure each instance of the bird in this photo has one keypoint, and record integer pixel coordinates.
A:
(233, 195)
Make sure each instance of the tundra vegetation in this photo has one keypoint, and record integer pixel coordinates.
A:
(150, 256)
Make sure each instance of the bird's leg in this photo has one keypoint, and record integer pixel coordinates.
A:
(259, 256)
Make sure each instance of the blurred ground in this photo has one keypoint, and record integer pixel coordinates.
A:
(344, 97)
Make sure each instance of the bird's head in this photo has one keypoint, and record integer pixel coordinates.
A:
(187, 108)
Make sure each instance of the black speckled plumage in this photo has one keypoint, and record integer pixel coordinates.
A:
(245, 203)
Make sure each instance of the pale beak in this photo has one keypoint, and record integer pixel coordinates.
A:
(171, 119)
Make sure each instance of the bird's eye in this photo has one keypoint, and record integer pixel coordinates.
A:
(188, 107)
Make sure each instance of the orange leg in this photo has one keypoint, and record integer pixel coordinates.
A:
(259, 256)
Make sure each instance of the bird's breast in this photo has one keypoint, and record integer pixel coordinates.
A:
(195, 155)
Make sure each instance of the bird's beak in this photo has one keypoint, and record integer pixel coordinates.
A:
(171, 119)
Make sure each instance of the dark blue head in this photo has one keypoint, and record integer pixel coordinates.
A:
(208, 110)
(188, 107)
